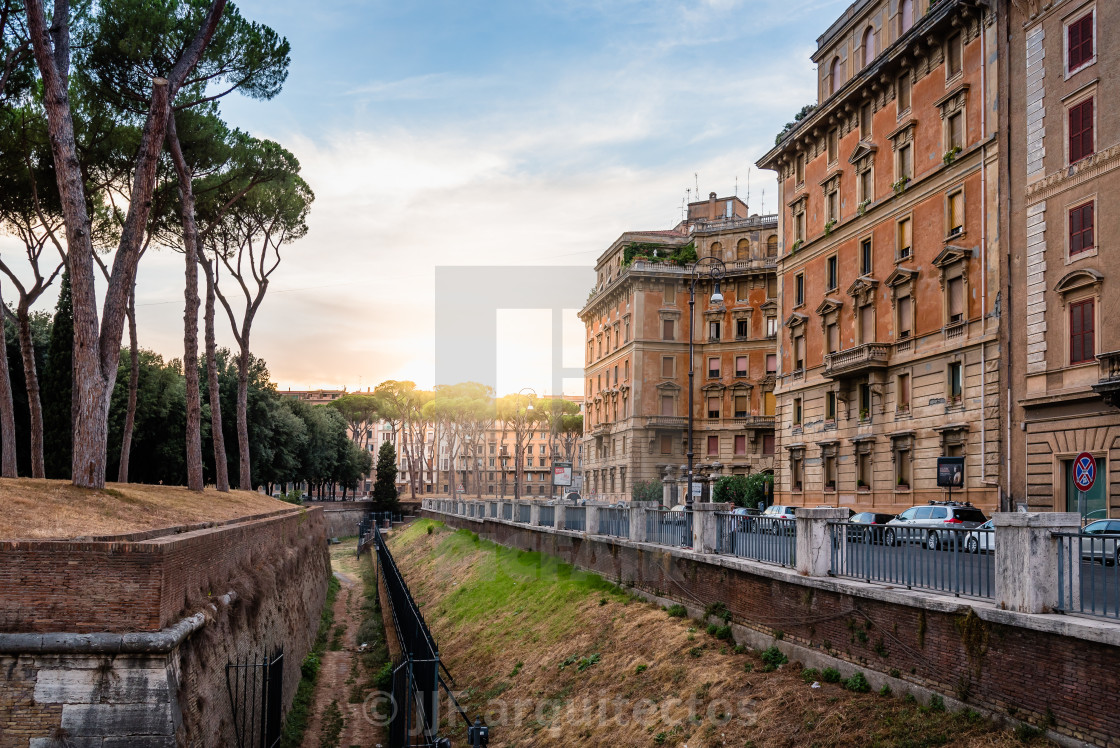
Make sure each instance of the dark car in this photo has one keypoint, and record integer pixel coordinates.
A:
(865, 527)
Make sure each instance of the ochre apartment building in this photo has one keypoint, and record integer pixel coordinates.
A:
(889, 350)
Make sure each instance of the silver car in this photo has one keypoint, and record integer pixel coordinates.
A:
(981, 542)
(1103, 543)
(933, 525)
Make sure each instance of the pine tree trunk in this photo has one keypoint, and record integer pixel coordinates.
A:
(245, 479)
(221, 469)
(34, 403)
(190, 311)
(7, 410)
(133, 387)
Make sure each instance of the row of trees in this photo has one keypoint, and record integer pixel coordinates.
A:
(460, 417)
(112, 142)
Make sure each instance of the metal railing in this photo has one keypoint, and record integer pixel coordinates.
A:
(1088, 573)
(575, 518)
(524, 513)
(959, 561)
(666, 527)
(548, 516)
(771, 540)
(614, 522)
(507, 511)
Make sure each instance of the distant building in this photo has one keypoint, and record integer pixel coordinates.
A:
(636, 370)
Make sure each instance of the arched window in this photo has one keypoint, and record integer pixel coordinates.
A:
(905, 16)
(743, 250)
(772, 246)
(834, 76)
(868, 46)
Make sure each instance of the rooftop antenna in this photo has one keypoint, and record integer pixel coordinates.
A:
(737, 184)
(748, 190)
(696, 176)
(763, 201)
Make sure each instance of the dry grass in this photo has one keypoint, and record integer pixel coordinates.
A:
(507, 622)
(56, 509)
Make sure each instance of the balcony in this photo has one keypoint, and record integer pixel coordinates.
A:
(1108, 383)
(754, 422)
(666, 422)
(600, 429)
(858, 360)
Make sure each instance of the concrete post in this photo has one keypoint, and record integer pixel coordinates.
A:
(705, 528)
(558, 516)
(1027, 562)
(638, 511)
(814, 549)
(591, 514)
(534, 513)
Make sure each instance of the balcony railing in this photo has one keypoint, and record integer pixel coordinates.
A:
(754, 422)
(666, 422)
(857, 360)
(954, 330)
(1108, 378)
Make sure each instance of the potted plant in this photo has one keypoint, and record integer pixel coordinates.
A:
(862, 207)
(900, 186)
(828, 226)
(796, 246)
(951, 155)
(863, 414)
(903, 485)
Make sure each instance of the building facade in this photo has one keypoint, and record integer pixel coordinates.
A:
(889, 346)
(1063, 178)
(636, 359)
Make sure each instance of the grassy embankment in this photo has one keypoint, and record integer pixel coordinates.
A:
(560, 657)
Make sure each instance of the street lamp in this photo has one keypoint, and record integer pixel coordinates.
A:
(715, 270)
(517, 446)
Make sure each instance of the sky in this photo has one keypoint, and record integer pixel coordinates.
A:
(499, 133)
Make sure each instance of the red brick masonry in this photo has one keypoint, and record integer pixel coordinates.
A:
(135, 585)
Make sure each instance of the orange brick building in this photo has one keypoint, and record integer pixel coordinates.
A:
(889, 274)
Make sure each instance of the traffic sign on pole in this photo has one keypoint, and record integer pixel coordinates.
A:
(1084, 472)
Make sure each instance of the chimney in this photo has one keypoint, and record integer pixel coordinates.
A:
(711, 206)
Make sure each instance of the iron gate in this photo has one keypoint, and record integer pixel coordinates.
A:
(256, 699)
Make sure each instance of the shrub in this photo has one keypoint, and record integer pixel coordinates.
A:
(772, 657)
(885, 690)
(677, 611)
(310, 667)
(936, 703)
(830, 675)
(810, 675)
(640, 669)
(384, 678)
(718, 609)
(857, 683)
(646, 490)
(723, 632)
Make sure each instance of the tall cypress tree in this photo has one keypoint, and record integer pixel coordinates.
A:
(58, 388)
(385, 485)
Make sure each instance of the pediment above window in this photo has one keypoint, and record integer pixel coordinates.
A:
(1078, 279)
(795, 320)
(951, 254)
(902, 134)
(828, 306)
(769, 306)
(831, 182)
(667, 387)
(739, 386)
(863, 150)
(862, 285)
(953, 101)
(713, 387)
(900, 276)
(673, 314)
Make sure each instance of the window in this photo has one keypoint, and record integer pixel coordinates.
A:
(740, 444)
(795, 475)
(771, 362)
(669, 294)
(834, 81)
(740, 366)
(799, 289)
(1081, 332)
(713, 445)
(954, 289)
(668, 366)
(868, 46)
(953, 54)
(768, 403)
(863, 470)
(832, 337)
(799, 352)
(902, 91)
(867, 323)
(667, 405)
(799, 168)
(666, 444)
(1079, 37)
(905, 162)
(797, 411)
(954, 131)
(905, 16)
(1081, 130)
(742, 405)
(864, 401)
(626, 370)
(767, 444)
(865, 257)
(832, 200)
(742, 328)
(905, 316)
(833, 273)
(771, 327)
(903, 402)
(772, 246)
(799, 221)
(713, 367)
(830, 472)
(902, 468)
(667, 329)
(833, 144)
(830, 406)
(1081, 228)
(743, 250)
(713, 330)
(955, 384)
(866, 186)
(866, 112)
(955, 207)
(713, 406)
(905, 238)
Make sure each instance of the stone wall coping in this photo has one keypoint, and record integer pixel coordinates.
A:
(1063, 520)
(712, 507)
(1088, 629)
(822, 512)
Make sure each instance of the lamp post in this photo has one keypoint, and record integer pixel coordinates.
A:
(715, 270)
(517, 446)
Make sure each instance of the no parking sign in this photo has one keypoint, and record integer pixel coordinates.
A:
(1084, 472)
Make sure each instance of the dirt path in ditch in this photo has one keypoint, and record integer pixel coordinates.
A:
(340, 669)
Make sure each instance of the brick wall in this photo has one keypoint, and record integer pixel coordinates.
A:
(936, 643)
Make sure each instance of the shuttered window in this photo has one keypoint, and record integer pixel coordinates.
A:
(867, 323)
(740, 366)
(956, 213)
(1081, 347)
(740, 444)
(833, 332)
(713, 367)
(667, 329)
(741, 406)
(1081, 228)
(767, 403)
(1081, 131)
(956, 130)
(904, 317)
(713, 407)
(799, 352)
(955, 290)
(905, 237)
(1080, 42)
(666, 405)
(713, 445)
(667, 366)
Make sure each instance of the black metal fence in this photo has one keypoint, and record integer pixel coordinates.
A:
(958, 561)
(256, 698)
(415, 705)
(575, 518)
(666, 527)
(1089, 573)
(615, 522)
(746, 536)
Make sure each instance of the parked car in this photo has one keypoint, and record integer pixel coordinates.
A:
(1106, 546)
(981, 541)
(767, 520)
(933, 523)
(867, 527)
(744, 518)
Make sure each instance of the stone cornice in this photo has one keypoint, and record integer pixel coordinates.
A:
(1090, 168)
